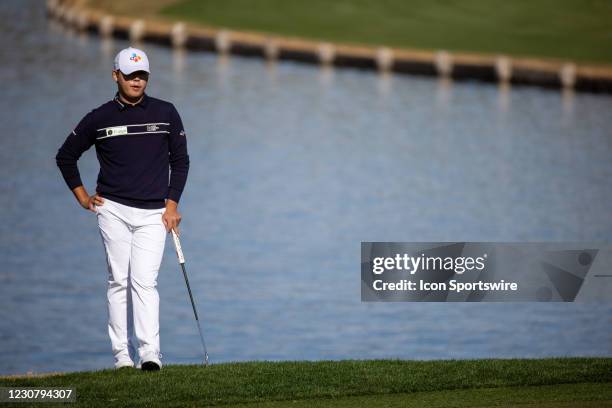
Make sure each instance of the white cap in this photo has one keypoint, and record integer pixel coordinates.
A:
(130, 60)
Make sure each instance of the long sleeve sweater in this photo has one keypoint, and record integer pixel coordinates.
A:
(142, 150)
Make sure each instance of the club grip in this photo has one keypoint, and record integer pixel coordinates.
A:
(177, 245)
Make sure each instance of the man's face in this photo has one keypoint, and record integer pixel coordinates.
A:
(132, 85)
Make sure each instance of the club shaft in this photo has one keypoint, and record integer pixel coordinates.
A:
(195, 313)
(179, 253)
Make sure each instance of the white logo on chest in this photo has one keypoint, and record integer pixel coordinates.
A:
(116, 131)
(152, 128)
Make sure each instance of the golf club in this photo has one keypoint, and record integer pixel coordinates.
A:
(181, 258)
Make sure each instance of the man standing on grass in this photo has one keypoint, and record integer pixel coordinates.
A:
(142, 149)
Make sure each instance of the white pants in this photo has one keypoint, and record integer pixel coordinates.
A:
(134, 241)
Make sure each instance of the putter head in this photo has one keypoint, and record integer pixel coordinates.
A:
(206, 359)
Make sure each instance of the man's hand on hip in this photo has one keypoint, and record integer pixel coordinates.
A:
(93, 202)
(87, 202)
(171, 217)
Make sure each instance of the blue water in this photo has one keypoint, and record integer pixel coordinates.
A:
(292, 167)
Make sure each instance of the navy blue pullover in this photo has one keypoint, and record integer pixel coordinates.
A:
(142, 150)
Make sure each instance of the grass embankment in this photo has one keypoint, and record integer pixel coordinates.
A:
(570, 382)
(565, 29)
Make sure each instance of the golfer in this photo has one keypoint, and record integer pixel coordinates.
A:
(142, 149)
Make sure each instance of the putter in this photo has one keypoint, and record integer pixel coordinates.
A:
(181, 258)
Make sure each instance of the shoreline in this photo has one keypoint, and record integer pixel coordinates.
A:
(461, 361)
(502, 69)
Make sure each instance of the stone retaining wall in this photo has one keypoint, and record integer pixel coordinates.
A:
(503, 69)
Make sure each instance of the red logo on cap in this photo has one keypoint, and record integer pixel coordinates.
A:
(135, 57)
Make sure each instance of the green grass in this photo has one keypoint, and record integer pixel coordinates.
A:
(453, 383)
(579, 30)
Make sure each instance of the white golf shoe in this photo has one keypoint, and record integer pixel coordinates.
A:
(124, 363)
(150, 362)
